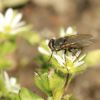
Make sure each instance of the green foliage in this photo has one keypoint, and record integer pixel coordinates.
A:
(51, 83)
(6, 48)
(32, 37)
(13, 96)
(2, 85)
(93, 58)
(56, 81)
(41, 81)
(25, 94)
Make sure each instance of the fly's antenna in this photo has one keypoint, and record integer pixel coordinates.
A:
(50, 57)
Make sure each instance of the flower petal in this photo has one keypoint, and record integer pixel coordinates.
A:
(69, 30)
(82, 57)
(62, 32)
(43, 51)
(16, 19)
(19, 25)
(77, 64)
(8, 16)
(71, 57)
(78, 53)
(12, 81)
(59, 59)
(6, 77)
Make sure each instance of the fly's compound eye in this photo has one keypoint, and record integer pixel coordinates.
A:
(51, 44)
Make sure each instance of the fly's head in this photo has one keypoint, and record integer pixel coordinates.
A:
(51, 45)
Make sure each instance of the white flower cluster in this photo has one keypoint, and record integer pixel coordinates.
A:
(11, 23)
(11, 84)
(72, 60)
(76, 59)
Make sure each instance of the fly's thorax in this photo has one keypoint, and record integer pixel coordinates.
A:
(59, 43)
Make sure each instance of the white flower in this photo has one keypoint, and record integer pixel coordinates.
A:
(10, 22)
(43, 50)
(72, 61)
(68, 32)
(66, 61)
(76, 59)
(11, 84)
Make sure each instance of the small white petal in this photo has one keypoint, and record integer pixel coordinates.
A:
(82, 57)
(78, 53)
(69, 30)
(59, 59)
(77, 64)
(6, 77)
(43, 51)
(62, 32)
(16, 19)
(12, 81)
(10, 84)
(19, 25)
(7, 83)
(8, 16)
(74, 58)
(71, 57)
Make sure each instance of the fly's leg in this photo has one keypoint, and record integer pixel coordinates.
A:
(74, 49)
(50, 57)
(65, 54)
(68, 74)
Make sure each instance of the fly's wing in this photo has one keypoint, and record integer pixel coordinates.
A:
(81, 39)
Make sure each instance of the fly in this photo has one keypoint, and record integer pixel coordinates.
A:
(70, 43)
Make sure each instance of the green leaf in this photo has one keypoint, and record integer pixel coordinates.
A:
(50, 98)
(7, 47)
(41, 81)
(57, 94)
(2, 85)
(5, 63)
(13, 96)
(25, 94)
(56, 82)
